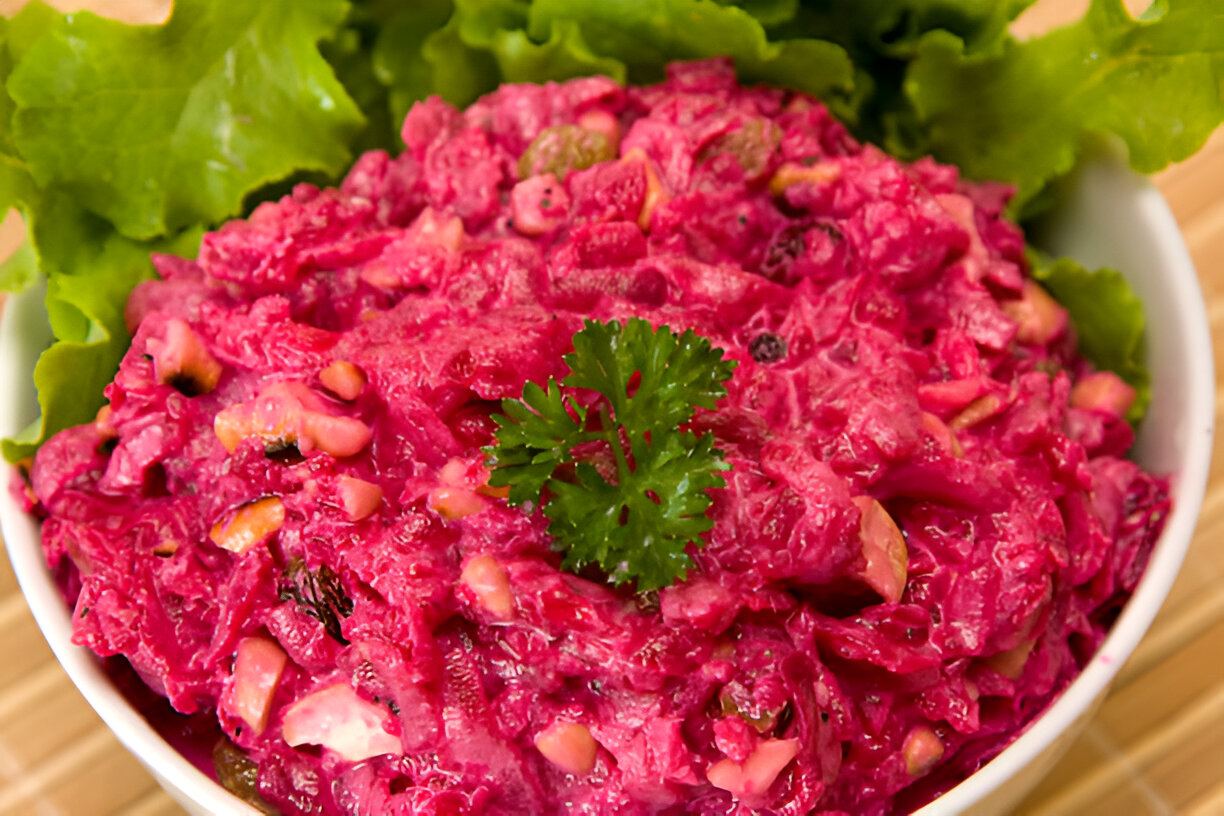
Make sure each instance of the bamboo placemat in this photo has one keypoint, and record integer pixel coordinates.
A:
(1156, 746)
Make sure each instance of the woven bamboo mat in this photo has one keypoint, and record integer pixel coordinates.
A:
(1156, 746)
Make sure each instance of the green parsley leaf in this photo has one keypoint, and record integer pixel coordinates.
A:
(637, 494)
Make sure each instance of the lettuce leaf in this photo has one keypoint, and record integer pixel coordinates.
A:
(1108, 320)
(486, 42)
(646, 34)
(91, 271)
(1024, 114)
(156, 128)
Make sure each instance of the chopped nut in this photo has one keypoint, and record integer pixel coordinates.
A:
(656, 193)
(942, 434)
(976, 411)
(454, 502)
(432, 228)
(104, 424)
(183, 361)
(487, 581)
(792, 173)
(1038, 316)
(249, 525)
(343, 379)
(287, 414)
(1103, 391)
(922, 750)
(569, 746)
(166, 548)
(1011, 663)
(358, 497)
(884, 549)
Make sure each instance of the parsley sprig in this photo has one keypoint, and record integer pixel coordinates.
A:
(621, 479)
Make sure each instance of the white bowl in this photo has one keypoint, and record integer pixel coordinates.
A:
(1110, 217)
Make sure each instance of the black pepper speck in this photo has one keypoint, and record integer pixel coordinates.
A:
(767, 348)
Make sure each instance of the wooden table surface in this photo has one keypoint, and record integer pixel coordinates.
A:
(1155, 747)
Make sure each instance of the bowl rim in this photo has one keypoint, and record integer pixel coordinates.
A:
(181, 778)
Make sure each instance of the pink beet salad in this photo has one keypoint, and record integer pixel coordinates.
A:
(284, 518)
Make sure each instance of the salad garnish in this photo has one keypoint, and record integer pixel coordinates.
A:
(609, 458)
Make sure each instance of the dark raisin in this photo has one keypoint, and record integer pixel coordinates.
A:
(767, 348)
(187, 385)
(788, 244)
(319, 594)
(284, 453)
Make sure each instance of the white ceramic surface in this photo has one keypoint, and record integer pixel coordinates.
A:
(1110, 218)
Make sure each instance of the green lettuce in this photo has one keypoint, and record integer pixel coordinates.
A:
(1024, 115)
(156, 128)
(1108, 320)
(118, 140)
(96, 269)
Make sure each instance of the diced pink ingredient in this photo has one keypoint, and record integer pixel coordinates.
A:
(922, 751)
(1038, 316)
(340, 721)
(454, 502)
(249, 525)
(735, 738)
(603, 122)
(750, 780)
(569, 746)
(538, 204)
(948, 396)
(1103, 391)
(884, 548)
(182, 357)
(432, 228)
(698, 602)
(358, 497)
(490, 586)
(258, 667)
(343, 379)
